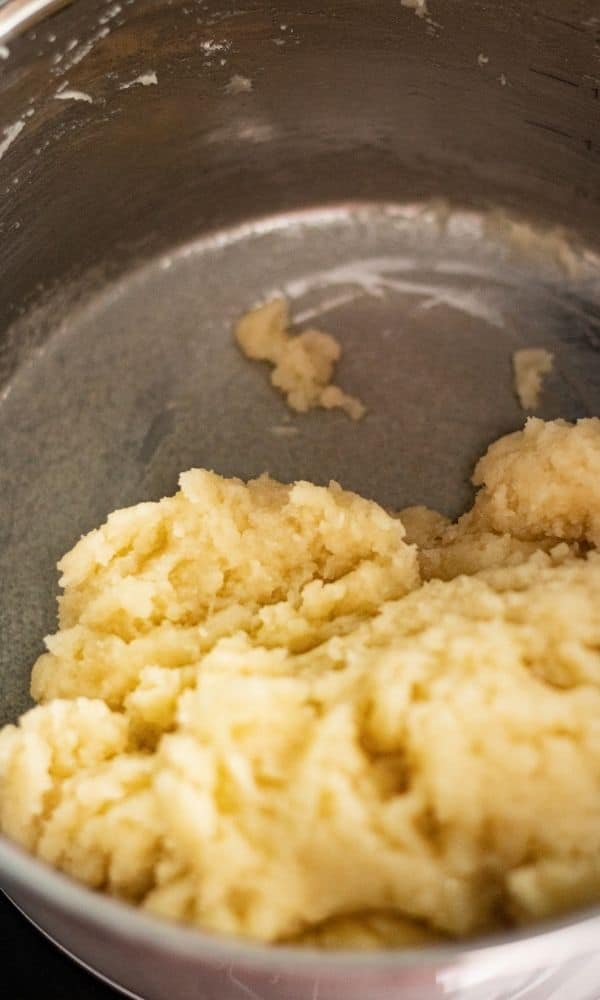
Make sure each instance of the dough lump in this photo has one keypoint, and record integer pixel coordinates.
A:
(303, 364)
(530, 365)
(267, 713)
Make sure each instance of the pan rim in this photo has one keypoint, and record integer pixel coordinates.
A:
(16, 16)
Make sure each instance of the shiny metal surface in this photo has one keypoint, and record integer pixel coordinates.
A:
(138, 220)
(17, 15)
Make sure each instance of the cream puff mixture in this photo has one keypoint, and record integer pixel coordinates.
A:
(529, 367)
(282, 712)
(303, 364)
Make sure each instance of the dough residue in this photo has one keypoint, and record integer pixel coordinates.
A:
(530, 365)
(10, 133)
(303, 364)
(73, 95)
(239, 85)
(149, 79)
(269, 711)
(419, 7)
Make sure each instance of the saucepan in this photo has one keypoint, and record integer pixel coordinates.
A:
(427, 176)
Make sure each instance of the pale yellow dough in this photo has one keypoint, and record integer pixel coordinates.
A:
(266, 714)
(303, 363)
(530, 365)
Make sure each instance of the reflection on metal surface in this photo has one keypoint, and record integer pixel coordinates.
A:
(17, 15)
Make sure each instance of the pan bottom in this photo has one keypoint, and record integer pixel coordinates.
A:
(144, 379)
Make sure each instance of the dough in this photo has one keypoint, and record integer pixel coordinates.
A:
(303, 364)
(266, 713)
(530, 365)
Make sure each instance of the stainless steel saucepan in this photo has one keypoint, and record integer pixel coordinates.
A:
(424, 178)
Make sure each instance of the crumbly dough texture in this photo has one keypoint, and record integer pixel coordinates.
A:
(267, 713)
(530, 365)
(303, 364)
